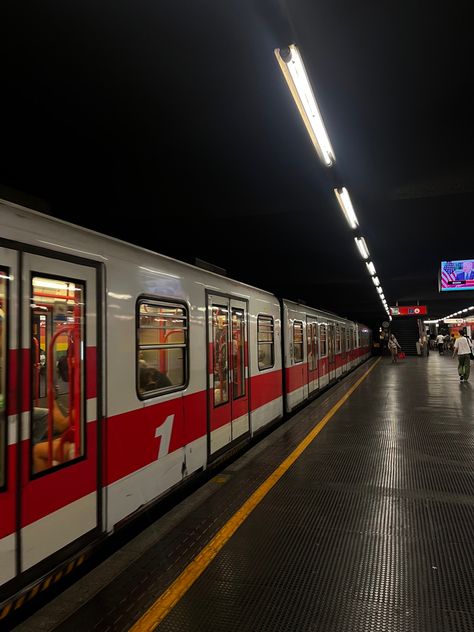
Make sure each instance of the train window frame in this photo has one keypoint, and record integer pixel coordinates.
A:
(326, 350)
(243, 328)
(298, 322)
(226, 308)
(312, 337)
(6, 349)
(161, 301)
(337, 339)
(83, 456)
(272, 342)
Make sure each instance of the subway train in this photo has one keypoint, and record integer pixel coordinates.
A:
(123, 373)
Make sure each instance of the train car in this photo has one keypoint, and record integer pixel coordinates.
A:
(123, 373)
(319, 347)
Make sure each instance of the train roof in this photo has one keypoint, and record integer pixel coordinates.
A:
(121, 242)
(325, 312)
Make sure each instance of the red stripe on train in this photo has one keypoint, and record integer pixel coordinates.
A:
(19, 404)
(131, 442)
(264, 388)
(60, 487)
(7, 497)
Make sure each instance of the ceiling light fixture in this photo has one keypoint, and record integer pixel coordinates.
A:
(346, 205)
(362, 247)
(292, 67)
(371, 268)
(376, 281)
(379, 289)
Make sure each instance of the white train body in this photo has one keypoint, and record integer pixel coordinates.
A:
(169, 367)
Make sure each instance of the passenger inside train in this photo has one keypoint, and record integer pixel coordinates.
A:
(57, 414)
(162, 341)
(61, 423)
(151, 379)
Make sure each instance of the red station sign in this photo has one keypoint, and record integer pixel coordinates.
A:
(409, 310)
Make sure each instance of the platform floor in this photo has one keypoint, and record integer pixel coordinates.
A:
(370, 529)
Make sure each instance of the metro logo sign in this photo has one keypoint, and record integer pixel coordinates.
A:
(409, 310)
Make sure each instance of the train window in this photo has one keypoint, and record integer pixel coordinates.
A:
(3, 375)
(298, 352)
(162, 347)
(338, 339)
(57, 352)
(238, 352)
(266, 342)
(323, 340)
(309, 345)
(312, 346)
(220, 336)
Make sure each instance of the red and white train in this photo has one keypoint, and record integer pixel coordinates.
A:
(122, 374)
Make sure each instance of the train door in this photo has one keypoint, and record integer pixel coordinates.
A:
(9, 411)
(343, 349)
(312, 347)
(59, 500)
(228, 371)
(331, 352)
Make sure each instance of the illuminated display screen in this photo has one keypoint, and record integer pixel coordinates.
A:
(457, 275)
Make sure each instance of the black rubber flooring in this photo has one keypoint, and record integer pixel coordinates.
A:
(372, 529)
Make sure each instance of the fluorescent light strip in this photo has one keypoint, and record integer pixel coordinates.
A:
(345, 203)
(293, 69)
(454, 314)
(362, 247)
(370, 268)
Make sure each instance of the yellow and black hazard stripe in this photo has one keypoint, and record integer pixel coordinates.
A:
(27, 594)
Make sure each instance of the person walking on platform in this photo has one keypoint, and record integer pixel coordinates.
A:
(463, 348)
(394, 347)
(440, 343)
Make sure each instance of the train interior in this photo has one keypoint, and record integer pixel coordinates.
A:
(57, 371)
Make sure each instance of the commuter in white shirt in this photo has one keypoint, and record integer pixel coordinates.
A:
(463, 347)
(440, 343)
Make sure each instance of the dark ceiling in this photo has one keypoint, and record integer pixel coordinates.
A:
(169, 124)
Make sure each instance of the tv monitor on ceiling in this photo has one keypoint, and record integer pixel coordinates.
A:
(456, 275)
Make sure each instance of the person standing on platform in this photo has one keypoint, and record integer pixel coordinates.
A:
(440, 343)
(393, 347)
(463, 348)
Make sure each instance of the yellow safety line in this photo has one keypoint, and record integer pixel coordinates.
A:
(170, 597)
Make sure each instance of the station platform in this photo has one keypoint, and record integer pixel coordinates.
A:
(357, 514)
